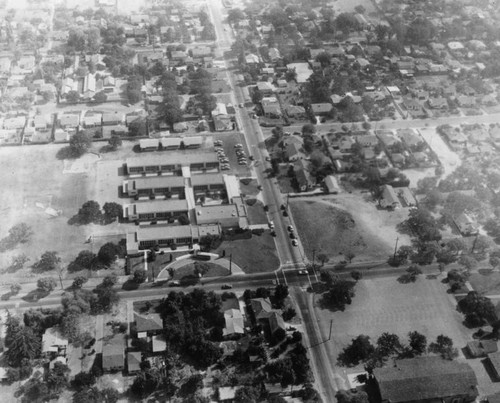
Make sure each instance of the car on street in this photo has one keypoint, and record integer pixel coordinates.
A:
(292, 235)
(285, 214)
(289, 228)
(273, 233)
(226, 286)
(303, 272)
(295, 242)
(271, 224)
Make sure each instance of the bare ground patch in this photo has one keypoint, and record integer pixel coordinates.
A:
(336, 225)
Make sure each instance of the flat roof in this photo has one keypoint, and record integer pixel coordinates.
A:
(207, 179)
(159, 205)
(157, 181)
(153, 232)
(217, 212)
(176, 157)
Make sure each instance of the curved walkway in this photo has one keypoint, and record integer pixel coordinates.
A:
(186, 260)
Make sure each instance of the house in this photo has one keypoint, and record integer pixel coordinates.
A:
(456, 138)
(493, 398)
(54, 342)
(321, 108)
(265, 313)
(223, 123)
(147, 325)
(406, 196)
(234, 323)
(294, 152)
(227, 394)
(389, 199)
(410, 138)
(367, 140)
(265, 87)
(466, 101)
(481, 348)
(438, 103)
(271, 110)
(134, 359)
(113, 356)
(304, 178)
(466, 225)
(158, 343)
(494, 364)
(331, 184)
(426, 380)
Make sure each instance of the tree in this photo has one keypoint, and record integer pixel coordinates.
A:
(482, 307)
(46, 284)
(90, 212)
(140, 276)
(108, 253)
(23, 344)
(73, 97)
(411, 275)
(418, 342)
(356, 275)
(280, 293)
(79, 281)
(422, 224)
(20, 233)
(347, 396)
(339, 295)
(359, 350)
(58, 377)
(246, 394)
(183, 219)
(100, 97)
(80, 143)
(388, 344)
(84, 261)
(115, 142)
(18, 262)
(112, 210)
(48, 261)
(15, 288)
(468, 262)
(444, 347)
(323, 258)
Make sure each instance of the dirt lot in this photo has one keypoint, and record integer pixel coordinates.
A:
(335, 225)
(385, 305)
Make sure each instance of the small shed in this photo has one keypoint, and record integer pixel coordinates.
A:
(332, 185)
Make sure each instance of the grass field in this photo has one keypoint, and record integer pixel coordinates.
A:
(254, 255)
(385, 305)
(487, 283)
(338, 225)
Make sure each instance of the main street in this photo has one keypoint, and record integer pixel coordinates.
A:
(289, 255)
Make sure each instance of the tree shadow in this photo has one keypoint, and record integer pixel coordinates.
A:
(6, 296)
(35, 295)
(130, 285)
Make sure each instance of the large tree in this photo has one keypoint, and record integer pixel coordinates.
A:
(108, 253)
(23, 343)
(48, 261)
(80, 143)
(113, 210)
(90, 212)
(359, 350)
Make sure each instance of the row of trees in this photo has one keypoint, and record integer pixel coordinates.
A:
(90, 213)
(388, 345)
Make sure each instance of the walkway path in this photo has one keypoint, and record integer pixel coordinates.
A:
(183, 261)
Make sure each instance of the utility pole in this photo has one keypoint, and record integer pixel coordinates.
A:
(230, 263)
(331, 324)
(396, 248)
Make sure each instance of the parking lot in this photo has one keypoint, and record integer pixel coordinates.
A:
(229, 140)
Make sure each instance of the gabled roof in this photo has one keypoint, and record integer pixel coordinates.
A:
(234, 322)
(149, 322)
(134, 361)
(260, 305)
(425, 378)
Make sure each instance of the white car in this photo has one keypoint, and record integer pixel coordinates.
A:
(225, 167)
(295, 242)
(238, 145)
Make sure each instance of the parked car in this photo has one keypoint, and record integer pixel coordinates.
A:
(174, 283)
(303, 272)
(289, 228)
(238, 145)
(295, 242)
(271, 224)
(242, 162)
(226, 286)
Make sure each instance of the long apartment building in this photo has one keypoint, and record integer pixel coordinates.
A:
(154, 185)
(155, 210)
(198, 162)
(164, 236)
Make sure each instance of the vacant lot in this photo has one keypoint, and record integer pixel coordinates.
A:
(336, 225)
(385, 305)
(254, 255)
(45, 193)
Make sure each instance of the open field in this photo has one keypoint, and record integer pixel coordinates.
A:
(254, 255)
(36, 180)
(487, 283)
(385, 305)
(335, 225)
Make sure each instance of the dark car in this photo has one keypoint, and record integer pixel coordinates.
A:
(226, 286)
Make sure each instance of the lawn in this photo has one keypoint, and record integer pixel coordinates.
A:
(486, 282)
(385, 305)
(338, 225)
(255, 210)
(254, 255)
(214, 270)
(34, 181)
